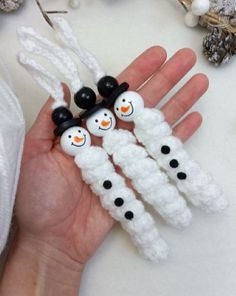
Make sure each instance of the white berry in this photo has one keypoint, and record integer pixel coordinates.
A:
(200, 7)
(191, 20)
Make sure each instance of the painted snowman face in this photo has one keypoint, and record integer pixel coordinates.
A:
(128, 105)
(101, 122)
(74, 140)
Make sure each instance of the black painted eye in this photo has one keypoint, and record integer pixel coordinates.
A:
(117, 109)
(96, 120)
(79, 131)
(69, 136)
(105, 114)
(123, 100)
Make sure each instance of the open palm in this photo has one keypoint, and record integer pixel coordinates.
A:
(54, 205)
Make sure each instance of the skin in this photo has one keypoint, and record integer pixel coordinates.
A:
(60, 221)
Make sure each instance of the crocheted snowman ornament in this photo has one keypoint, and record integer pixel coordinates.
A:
(96, 168)
(147, 178)
(150, 129)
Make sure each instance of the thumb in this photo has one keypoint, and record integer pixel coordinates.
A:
(43, 127)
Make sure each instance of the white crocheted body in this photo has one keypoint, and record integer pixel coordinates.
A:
(155, 134)
(146, 177)
(97, 169)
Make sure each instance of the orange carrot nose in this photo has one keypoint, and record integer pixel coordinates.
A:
(77, 139)
(125, 109)
(105, 123)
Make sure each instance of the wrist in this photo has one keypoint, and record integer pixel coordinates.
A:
(36, 268)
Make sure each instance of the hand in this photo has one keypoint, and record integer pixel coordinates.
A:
(55, 209)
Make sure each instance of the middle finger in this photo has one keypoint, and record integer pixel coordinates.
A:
(167, 77)
(185, 98)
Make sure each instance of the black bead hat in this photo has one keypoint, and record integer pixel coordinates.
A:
(108, 88)
(64, 120)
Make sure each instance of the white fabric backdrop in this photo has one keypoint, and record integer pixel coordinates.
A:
(203, 258)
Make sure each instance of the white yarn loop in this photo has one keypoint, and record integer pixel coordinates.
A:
(45, 79)
(36, 44)
(67, 36)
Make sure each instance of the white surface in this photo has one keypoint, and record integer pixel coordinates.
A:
(203, 258)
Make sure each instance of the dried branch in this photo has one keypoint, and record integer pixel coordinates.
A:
(56, 11)
(45, 13)
(210, 19)
(185, 3)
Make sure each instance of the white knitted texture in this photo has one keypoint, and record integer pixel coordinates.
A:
(97, 168)
(153, 132)
(5, 75)
(5, 197)
(12, 133)
(67, 36)
(41, 46)
(146, 177)
(45, 79)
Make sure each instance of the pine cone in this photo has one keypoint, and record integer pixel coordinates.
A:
(10, 5)
(223, 7)
(219, 46)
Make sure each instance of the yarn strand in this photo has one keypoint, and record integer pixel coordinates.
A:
(36, 44)
(67, 36)
(45, 79)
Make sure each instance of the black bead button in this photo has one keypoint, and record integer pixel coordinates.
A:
(106, 85)
(107, 184)
(181, 176)
(60, 115)
(119, 202)
(129, 215)
(165, 149)
(85, 98)
(174, 163)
